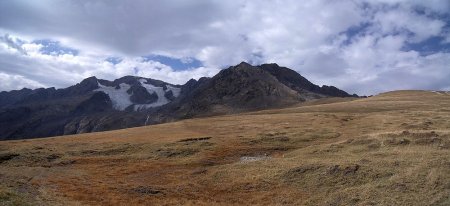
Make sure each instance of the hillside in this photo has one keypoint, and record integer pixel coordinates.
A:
(95, 105)
(390, 149)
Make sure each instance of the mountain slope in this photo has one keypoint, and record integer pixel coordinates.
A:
(300, 84)
(99, 105)
(239, 88)
(92, 105)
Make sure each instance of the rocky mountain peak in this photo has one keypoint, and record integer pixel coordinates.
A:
(89, 80)
(243, 65)
(85, 86)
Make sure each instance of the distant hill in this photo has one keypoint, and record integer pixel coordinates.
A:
(100, 105)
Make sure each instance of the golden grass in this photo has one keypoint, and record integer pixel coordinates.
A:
(391, 149)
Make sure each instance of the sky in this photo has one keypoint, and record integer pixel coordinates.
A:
(361, 46)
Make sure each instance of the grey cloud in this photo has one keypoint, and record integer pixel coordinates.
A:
(131, 28)
(301, 35)
(12, 43)
(325, 65)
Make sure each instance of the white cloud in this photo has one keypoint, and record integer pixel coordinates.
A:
(401, 21)
(312, 37)
(11, 82)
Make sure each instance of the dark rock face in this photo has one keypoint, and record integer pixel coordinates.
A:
(40, 94)
(13, 115)
(85, 86)
(98, 102)
(88, 106)
(300, 84)
(239, 88)
(334, 92)
(140, 95)
(169, 95)
(289, 77)
(9, 98)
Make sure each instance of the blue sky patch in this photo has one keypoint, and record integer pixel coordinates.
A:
(176, 64)
(114, 60)
(429, 46)
(354, 31)
(54, 48)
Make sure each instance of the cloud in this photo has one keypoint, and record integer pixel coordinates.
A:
(10, 82)
(12, 43)
(115, 26)
(419, 27)
(60, 69)
(362, 46)
(50, 47)
(326, 65)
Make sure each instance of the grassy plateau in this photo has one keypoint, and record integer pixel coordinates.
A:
(390, 149)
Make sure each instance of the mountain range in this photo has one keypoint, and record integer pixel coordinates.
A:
(100, 105)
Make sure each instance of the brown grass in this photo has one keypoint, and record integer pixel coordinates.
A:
(391, 149)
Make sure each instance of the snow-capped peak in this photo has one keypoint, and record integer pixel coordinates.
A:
(120, 98)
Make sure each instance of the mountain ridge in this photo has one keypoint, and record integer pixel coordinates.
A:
(99, 105)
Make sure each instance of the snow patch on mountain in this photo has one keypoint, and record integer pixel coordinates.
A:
(175, 90)
(119, 97)
(162, 100)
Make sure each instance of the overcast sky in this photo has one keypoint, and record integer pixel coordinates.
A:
(363, 47)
